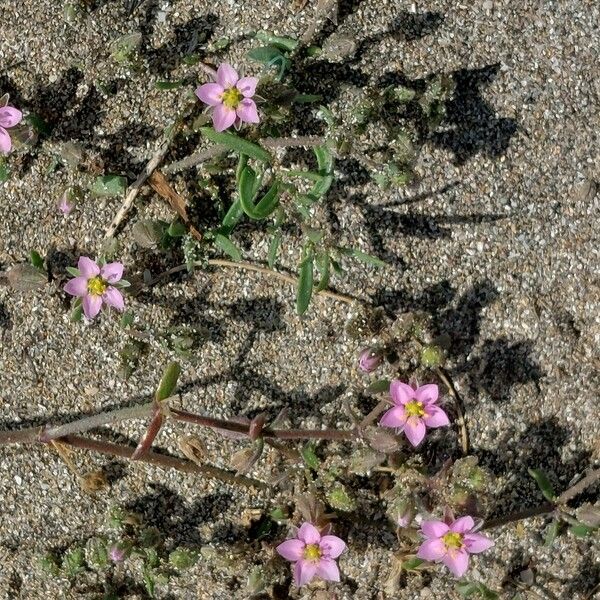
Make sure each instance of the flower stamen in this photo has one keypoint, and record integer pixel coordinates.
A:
(312, 552)
(232, 97)
(96, 286)
(414, 408)
(453, 540)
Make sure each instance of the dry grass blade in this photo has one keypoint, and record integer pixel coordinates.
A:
(177, 202)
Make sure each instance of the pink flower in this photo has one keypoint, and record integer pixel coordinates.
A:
(414, 410)
(64, 206)
(9, 117)
(369, 359)
(312, 554)
(95, 286)
(230, 97)
(452, 543)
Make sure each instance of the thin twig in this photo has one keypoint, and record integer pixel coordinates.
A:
(194, 159)
(460, 410)
(218, 262)
(293, 142)
(134, 190)
(579, 487)
(379, 408)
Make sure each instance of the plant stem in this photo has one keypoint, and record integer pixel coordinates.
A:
(542, 509)
(95, 421)
(460, 411)
(579, 487)
(293, 142)
(282, 434)
(160, 460)
(194, 159)
(218, 262)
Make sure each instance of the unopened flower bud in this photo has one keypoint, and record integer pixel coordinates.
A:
(118, 552)
(432, 356)
(369, 359)
(405, 513)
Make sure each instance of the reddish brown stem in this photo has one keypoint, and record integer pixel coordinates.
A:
(282, 434)
(146, 442)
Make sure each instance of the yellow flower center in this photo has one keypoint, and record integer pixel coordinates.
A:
(414, 408)
(96, 286)
(232, 97)
(312, 552)
(453, 540)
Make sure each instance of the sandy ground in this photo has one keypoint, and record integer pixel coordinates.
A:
(498, 241)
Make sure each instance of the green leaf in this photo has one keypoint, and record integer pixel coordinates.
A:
(77, 314)
(4, 171)
(340, 499)
(168, 85)
(581, 530)
(127, 319)
(177, 229)
(310, 175)
(325, 159)
(168, 383)
(284, 43)
(36, 260)
(307, 98)
(323, 263)
(378, 387)
(73, 271)
(368, 259)
(551, 533)
(274, 248)
(226, 245)
(266, 205)
(543, 483)
(109, 185)
(310, 458)
(38, 124)
(266, 55)
(73, 562)
(236, 143)
(233, 216)
(305, 283)
(412, 563)
(468, 588)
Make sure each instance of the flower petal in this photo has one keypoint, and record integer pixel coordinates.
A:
(291, 549)
(227, 76)
(414, 429)
(88, 267)
(434, 529)
(457, 561)
(247, 112)
(5, 141)
(77, 286)
(401, 393)
(9, 116)
(113, 297)
(112, 272)
(304, 571)
(91, 305)
(247, 85)
(432, 550)
(331, 546)
(462, 525)
(210, 93)
(427, 393)
(476, 543)
(327, 569)
(394, 417)
(309, 534)
(223, 117)
(436, 417)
